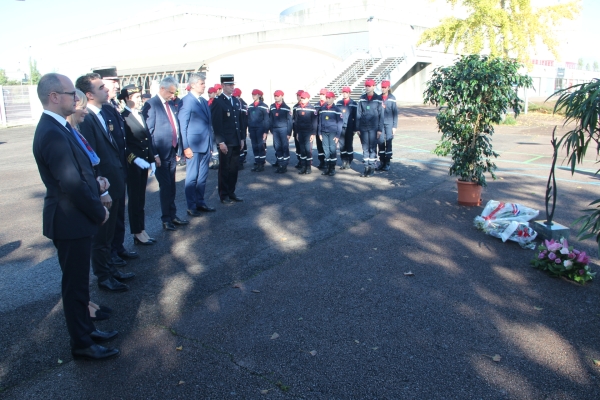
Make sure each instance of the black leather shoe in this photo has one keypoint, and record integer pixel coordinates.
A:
(101, 336)
(194, 213)
(113, 285)
(123, 276)
(128, 255)
(100, 316)
(169, 226)
(236, 199)
(206, 208)
(139, 242)
(226, 200)
(94, 352)
(117, 262)
(105, 309)
(178, 221)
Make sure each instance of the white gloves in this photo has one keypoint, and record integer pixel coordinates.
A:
(153, 166)
(141, 163)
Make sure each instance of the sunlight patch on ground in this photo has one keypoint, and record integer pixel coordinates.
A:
(174, 292)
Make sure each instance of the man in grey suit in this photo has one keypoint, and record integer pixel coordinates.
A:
(196, 131)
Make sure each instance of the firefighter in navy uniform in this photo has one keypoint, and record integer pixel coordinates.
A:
(329, 129)
(390, 123)
(348, 107)
(321, 103)
(226, 114)
(237, 93)
(280, 118)
(296, 143)
(258, 126)
(369, 125)
(305, 125)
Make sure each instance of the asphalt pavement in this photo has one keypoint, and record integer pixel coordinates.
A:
(315, 287)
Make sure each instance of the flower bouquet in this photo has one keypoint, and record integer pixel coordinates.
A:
(508, 221)
(561, 260)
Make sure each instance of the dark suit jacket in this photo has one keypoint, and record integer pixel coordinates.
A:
(111, 165)
(114, 117)
(72, 207)
(195, 122)
(139, 142)
(158, 124)
(226, 120)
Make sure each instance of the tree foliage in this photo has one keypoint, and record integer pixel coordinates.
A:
(34, 74)
(4, 81)
(507, 28)
(473, 95)
(581, 105)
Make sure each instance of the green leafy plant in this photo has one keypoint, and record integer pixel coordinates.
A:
(473, 95)
(560, 259)
(581, 105)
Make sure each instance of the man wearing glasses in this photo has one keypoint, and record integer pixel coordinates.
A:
(72, 212)
(161, 120)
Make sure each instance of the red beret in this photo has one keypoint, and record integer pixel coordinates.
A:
(258, 92)
(369, 82)
(385, 84)
(212, 90)
(299, 92)
(323, 91)
(330, 94)
(305, 95)
(237, 92)
(218, 86)
(278, 93)
(346, 89)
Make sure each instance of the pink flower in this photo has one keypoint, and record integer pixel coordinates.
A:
(571, 255)
(552, 256)
(583, 258)
(564, 243)
(542, 255)
(552, 245)
(581, 272)
(558, 261)
(576, 251)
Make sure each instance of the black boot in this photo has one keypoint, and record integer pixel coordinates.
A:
(387, 165)
(371, 171)
(255, 168)
(303, 167)
(331, 168)
(381, 164)
(365, 173)
(283, 170)
(326, 168)
(308, 167)
(299, 165)
(321, 162)
(261, 168)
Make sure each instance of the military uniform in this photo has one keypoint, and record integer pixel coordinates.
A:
(258, 126)
(369, 121)
(305, 125)
(280, 125)
(330, 128)
(390, 122)
(348, 108)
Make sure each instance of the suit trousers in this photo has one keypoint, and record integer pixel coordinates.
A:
(119, 236)
(258, 147)
(385, 143)
(137, 179)
(195, 179)
(346, 148)
(228, 171)
(165, 175)
(102, 244)
(368, 138)
(281, 142)
(74, 260)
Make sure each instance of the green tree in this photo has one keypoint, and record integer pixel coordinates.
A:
(508, 28)
(587, 66)
(580, 63)
(595, 66)
(4, 81)
(581, 105)
(34, 74)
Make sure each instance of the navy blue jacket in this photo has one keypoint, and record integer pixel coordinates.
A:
(330, 120)
(370, 113)
(281, 118)
(348, 115)
(226, 120)
(159, 126)
(305, 120)
(390, 114)
(195, 122)
(258, 116)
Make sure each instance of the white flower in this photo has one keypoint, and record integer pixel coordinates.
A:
(564, 250)
(568, 264)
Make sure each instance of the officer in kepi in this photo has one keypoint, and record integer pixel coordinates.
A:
(226, 118)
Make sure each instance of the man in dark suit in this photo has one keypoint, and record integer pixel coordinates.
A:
(72, 212)
(196, 132)
(226, 119)
(100, 130)
(161, 120)
(110, 78)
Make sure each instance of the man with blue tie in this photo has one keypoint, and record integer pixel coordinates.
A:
(196, 132)
(161, 120)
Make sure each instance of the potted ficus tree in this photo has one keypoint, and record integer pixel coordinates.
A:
(472, 95)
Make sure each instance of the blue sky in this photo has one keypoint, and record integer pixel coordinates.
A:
(30, 27)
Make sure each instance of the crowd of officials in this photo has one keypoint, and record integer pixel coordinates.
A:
(96, 142)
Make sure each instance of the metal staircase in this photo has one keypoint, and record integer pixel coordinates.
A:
(378, 74)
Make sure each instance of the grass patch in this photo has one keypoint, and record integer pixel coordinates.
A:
(509, 120)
